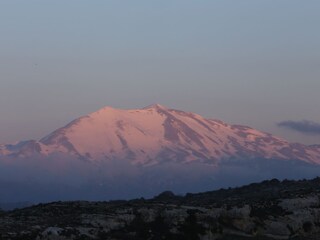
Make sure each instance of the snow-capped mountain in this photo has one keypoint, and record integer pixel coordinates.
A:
(156, 134)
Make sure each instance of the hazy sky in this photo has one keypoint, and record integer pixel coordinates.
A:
(253, 62)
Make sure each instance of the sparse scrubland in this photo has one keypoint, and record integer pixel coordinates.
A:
(268, 210)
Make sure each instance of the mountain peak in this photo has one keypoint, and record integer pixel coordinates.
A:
(111, 109)
(106, 108)
(155, 106)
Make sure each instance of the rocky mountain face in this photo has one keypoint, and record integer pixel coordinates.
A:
(156, 134)
(266, 210)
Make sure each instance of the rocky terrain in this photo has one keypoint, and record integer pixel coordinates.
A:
(267, 210)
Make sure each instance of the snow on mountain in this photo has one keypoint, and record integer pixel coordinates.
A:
(157, 134)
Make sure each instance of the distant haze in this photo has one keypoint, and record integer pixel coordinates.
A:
(250, 62)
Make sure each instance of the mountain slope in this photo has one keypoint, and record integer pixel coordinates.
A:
(155, 134)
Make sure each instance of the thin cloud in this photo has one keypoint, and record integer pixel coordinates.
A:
(305, 126)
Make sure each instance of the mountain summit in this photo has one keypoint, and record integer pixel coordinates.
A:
(155, 134)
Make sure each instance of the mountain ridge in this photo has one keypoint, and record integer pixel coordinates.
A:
(156, 133)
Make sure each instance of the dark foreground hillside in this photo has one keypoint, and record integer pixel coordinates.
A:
(266, 210)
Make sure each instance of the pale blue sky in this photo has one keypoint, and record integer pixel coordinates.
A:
(253, 62)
